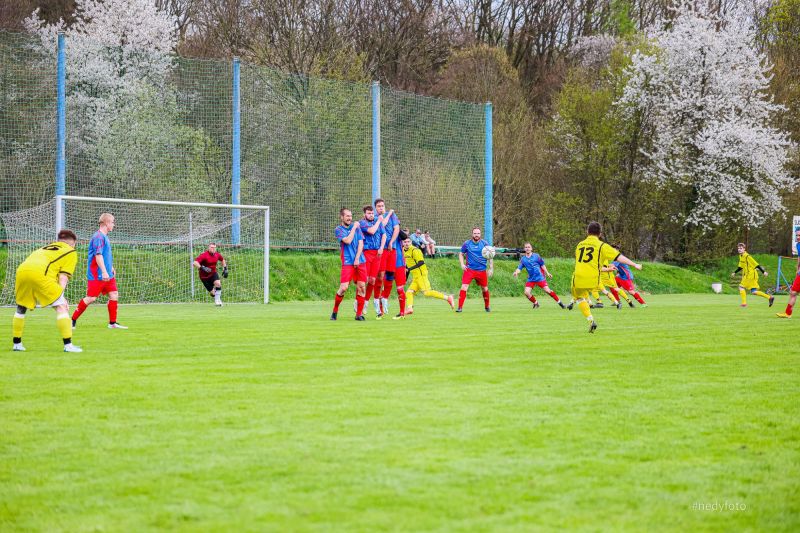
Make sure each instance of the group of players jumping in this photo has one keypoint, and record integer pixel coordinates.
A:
(376, 254)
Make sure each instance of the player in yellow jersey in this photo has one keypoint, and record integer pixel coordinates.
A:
(607, 286)
(41, 280)
(749, 268)
(590, 254)
(609, 280)
(419, 277)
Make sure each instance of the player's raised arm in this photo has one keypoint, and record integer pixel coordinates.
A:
(625, 261)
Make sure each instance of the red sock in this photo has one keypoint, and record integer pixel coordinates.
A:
(370, 286)
(789, 309)
(112, 311)
(638, 298)
(79, 311)
(387, 288)
(554, 296)
(614, 292)
(532, 298)
(337, 301)
(359, 305)
(462, 295)
(401, 297)
(486, 299)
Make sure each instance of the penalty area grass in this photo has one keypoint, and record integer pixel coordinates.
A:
(276, 418)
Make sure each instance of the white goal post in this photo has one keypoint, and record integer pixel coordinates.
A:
(154, 244)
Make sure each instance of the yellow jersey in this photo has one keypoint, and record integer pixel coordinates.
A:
(413, 258)
(590, 253)
(50, 261)
(748, 265)
(607, 277)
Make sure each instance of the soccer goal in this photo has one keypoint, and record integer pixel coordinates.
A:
(154, 244)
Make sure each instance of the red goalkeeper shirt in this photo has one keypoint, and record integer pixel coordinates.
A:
(209, 260)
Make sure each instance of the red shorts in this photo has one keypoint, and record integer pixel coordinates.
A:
(400, 276)
(96, 287)
(796, 284)
(373, 262)
(350, 272)
(389, 258)
(625, 284)
(479, 276)
(532, 284)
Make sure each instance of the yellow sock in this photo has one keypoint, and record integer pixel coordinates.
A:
(624, 295)
(611, 297)
(743, 294)
(584, 307)
(17, 325)
(595, 295)
(410, 299)
(762, 294)
(64, 325)
(434, 294)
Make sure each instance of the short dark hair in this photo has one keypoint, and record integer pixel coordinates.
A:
(379, 201)
(368, 208)
(594, 228)
(67, 234)
(476, 228)
(342, 210)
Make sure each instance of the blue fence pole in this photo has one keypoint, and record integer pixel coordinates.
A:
(61, 118)
(236, 164)
(488, 186)
(376, 141)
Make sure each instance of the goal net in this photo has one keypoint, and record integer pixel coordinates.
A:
(154, 244)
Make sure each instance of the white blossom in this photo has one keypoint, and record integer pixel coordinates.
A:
(703, 90)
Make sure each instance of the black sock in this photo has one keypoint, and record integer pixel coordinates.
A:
(17, 340)
(67, 341)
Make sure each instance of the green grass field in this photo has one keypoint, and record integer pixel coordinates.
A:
(274, 418)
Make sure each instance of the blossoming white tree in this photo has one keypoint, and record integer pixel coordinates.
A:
(114, 49)
(702, 90)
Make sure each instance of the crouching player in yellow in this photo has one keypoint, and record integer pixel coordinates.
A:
(419, 277)
(590, 254)
(41, 279)
(749, 268)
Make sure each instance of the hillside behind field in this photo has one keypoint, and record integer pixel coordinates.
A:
(315, 276)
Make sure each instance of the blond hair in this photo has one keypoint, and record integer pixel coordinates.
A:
(105, 218)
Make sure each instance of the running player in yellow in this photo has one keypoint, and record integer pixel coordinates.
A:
(605, 284)
(419, 277)
(41, 280)
(749, 268)
(590, 254)
(609, 280)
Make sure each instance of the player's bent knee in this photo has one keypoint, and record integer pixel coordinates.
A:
(113, 295)
(21, 309)
(89, 299)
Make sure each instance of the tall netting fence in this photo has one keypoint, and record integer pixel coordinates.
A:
(432, 163)
(161, 127)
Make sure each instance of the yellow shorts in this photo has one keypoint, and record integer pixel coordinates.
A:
(31, 288)
(581, 293)
(750, 282)
(420, 284)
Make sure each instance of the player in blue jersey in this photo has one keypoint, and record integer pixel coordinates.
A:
(354, 265)
(374, 243)
(101, 274)
(537, 276)
(624, 280)
(386, 273)
(475, 267)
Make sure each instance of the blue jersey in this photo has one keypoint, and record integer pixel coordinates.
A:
(797, 247)
(475, 259)
(623, 272)
(99, 246)
(391, 222)
(348, 251)
(371, 242)
(400, 256)
(533, 265)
